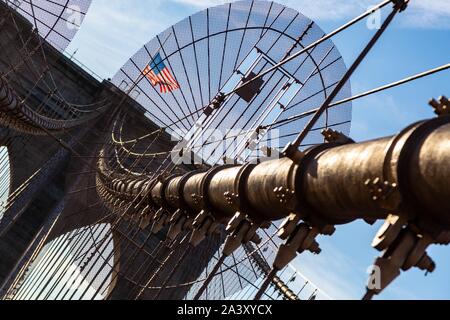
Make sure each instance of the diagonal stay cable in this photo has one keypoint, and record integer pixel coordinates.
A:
(314, 44)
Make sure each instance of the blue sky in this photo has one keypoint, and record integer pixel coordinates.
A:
(418, 40)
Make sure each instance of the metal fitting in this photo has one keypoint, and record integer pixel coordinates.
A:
(336, 136)
(442, 107)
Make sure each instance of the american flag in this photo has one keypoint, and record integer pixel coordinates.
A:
(159, 74)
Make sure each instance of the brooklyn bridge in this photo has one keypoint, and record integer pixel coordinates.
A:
(213, 159)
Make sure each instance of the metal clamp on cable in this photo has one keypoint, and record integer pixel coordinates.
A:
(241, 231)
(163, 215)
(215, 104)
(401, 5)
(404, 248)
(441, 107)
(183, 218)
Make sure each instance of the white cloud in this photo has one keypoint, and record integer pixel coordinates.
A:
(429, 14)
(339, 276)
(202, 3)
(329, 9)
(115, 29)
(423, 14)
